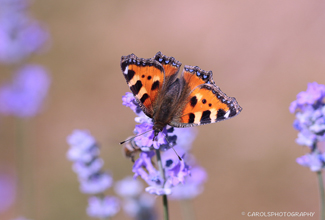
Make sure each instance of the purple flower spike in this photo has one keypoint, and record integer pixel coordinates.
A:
(20, 35)
(128, 187)
(136, 204)
(312, 160)
(310, 122)
(193, 185)
(146, 141)
(103, 208)
(306, 138)
(24, 96)
(86, 170)
(84, 153)
(129, 101)
(310, 119)
(159, 191)
(7, 191)
(176, 169)
(315, 93)
(96, 183)
(185, 137)
(143, 167)
(83, 147)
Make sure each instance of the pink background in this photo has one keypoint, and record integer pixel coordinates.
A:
(261, 52)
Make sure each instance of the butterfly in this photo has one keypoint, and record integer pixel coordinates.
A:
(192, 99)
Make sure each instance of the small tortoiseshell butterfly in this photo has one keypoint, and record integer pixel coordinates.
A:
(191, 100)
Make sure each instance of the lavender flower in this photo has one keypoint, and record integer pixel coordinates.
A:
(102, 207)
(145, 141)
(95, 184)
(174, 175)
(84, 152)
(128, 187)
(185, 137)
(314, 160)
(20, 35)
(129, 101)
(310, 122)
(193, 185)
(144, 168)
(136, 204)
(83, 147)
(176, 171)
(24, 96)
(314, 94)
(7, 191)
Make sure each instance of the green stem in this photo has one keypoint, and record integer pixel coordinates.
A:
(19, 168)
(165, 204)
(322, 195)
(162, 173)
(25, 182)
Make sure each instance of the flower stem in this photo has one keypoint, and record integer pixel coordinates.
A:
(25, 182)
(322, 195)
(162, 173)
(165, 203)
(19, 168)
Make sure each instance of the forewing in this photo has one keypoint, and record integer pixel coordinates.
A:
(145, 78)
(205, 103)
(171, 67)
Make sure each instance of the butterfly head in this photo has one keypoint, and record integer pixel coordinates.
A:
(156, 132)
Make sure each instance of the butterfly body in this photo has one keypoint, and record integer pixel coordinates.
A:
(191, 100)
(166, 108)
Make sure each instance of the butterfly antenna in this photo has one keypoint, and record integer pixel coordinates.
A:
(173, 149)
(122, 142)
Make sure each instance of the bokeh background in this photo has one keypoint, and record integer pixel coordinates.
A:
(261, 52)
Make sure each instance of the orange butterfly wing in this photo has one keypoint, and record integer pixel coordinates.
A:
(205, 103)
(170, 65)
(147, 77)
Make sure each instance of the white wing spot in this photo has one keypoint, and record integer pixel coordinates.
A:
(227, 114)
(197, 117)
(126, 70)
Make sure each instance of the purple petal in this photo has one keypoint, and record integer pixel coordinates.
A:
(158, 190)
(96, 184)
(129, 187)
(102, 208)
(24, 96)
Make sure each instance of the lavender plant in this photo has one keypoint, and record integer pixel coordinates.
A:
(136, 204)
(24, 96)
(166, 174)
(309, 108)
(7, 191)
(84, 152)
(21, 37)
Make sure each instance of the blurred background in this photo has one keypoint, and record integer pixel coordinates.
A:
(261, 52)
